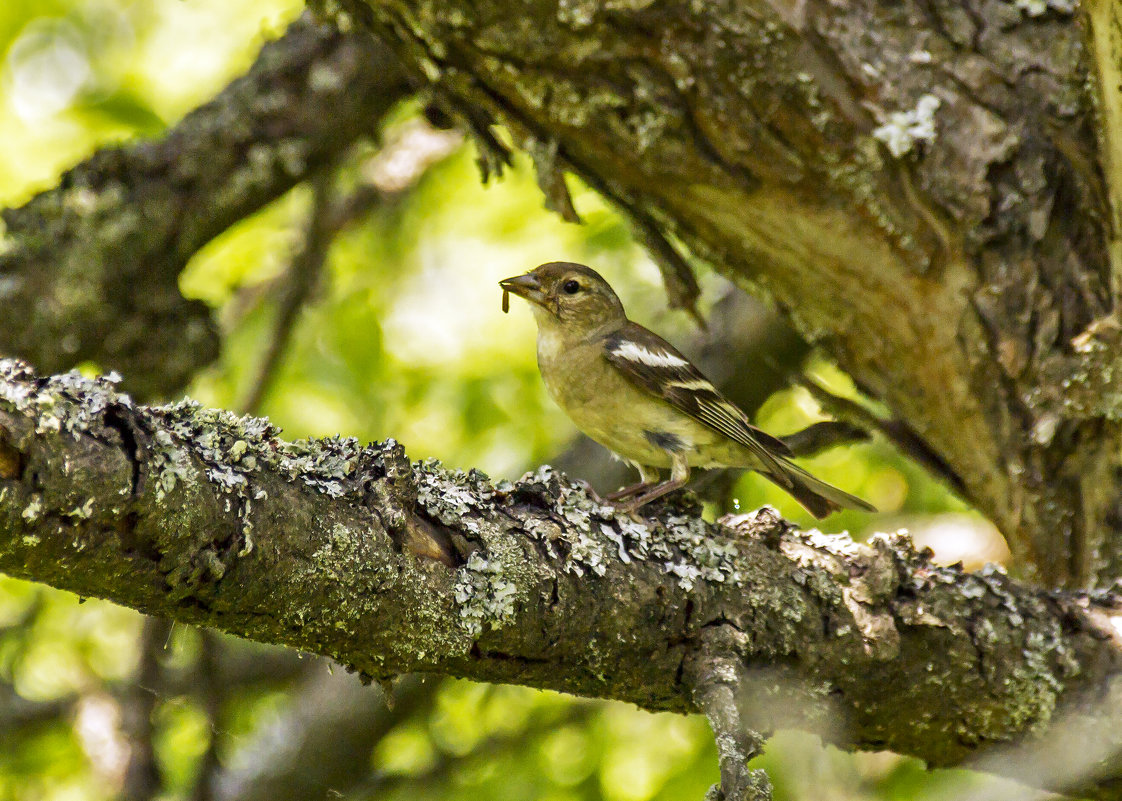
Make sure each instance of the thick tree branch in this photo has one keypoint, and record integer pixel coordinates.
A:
(89, 269)
(388, 567)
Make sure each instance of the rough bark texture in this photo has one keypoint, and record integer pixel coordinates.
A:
(918, 183)
(89, 269)
(388, 567)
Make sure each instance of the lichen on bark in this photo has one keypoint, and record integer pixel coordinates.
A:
(388, 566)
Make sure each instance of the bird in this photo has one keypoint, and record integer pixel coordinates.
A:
(634, 393)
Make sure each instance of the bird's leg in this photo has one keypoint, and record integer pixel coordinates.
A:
(648, 477)
(626, 492)
(679, 475)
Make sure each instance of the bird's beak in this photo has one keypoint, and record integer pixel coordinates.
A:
(525, 286)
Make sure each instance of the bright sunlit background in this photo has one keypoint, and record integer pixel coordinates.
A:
(405, 338)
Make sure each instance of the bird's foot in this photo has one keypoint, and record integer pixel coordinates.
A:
(667, 501)
(627, 492)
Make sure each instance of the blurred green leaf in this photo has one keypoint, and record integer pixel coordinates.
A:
(124, 109)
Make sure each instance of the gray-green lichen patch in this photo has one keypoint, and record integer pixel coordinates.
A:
(903, 129)
(82, 512)
(33, 510)
(689, 551)
(451, 496)
(484, 595)
(183, 437)
(586, 534)
(996, 614)
(590, 535)
(68, 403)
(1038, 8)
(171, 464)
(488, 588)
(229, 448)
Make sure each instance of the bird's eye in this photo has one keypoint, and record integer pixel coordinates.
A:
(571, 287)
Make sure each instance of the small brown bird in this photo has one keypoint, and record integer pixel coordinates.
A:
(635, 394)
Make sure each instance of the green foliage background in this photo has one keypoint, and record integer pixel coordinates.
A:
(404, 338)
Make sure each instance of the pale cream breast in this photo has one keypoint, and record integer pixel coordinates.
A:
(613, 411)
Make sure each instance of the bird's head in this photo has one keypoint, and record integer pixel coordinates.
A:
(570, 295)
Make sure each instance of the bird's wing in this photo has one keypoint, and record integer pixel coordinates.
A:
(656, 366)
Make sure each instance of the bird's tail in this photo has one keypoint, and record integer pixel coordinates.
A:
(814, 494)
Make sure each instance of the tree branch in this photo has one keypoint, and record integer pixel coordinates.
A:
(143, 778)
(89, 269)
(323, 742)
(298, 284)
(388, 567)
(716, 672)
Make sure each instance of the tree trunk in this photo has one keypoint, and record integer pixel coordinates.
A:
(919, 184)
